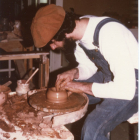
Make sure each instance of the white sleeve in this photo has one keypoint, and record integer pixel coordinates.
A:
(114, 47)
(86, 67)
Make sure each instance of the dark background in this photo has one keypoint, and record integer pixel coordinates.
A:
(125, 10)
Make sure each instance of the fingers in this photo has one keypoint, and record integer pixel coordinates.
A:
(63, 83)
(57, 87)
(57, 83)
(59, 80)
(62, 80)
(74, 87)
(69, 93)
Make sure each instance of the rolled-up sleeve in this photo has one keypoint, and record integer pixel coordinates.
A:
(86, 67)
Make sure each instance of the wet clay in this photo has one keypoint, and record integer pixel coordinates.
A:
(4, 90)
(17, 114)
(5, 127)
(74, 102)
(54, 96)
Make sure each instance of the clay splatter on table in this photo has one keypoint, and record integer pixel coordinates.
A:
(18, 116)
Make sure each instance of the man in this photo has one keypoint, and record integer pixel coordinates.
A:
(108, 71)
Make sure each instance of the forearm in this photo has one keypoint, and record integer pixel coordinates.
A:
(87, 88)
(79, 87)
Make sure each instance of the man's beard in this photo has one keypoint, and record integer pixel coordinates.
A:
(69, 45)
(68, 49)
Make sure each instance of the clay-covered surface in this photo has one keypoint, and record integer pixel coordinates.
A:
(4, 89)
(19, 121)
(75, 101)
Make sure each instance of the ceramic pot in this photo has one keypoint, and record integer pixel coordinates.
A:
(56, 96)
(4, 90)
(22, 88)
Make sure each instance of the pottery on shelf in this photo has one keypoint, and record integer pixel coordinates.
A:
(56, 96)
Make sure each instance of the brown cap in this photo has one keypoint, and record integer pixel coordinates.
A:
(46, 24)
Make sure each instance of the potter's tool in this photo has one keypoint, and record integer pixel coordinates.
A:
(7, 83)
(32, 76)
(54, 104)
(22, 88)
(23, 85)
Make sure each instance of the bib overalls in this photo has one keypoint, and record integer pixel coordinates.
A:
(111, 112)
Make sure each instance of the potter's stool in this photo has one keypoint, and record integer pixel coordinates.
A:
(133, 120)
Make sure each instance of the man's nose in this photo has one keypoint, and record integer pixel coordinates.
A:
(53, 47)
(66, 35)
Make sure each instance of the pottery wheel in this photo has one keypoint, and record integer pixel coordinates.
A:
(75, 102)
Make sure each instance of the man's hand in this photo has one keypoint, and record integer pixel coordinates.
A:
(64, 78)
(79, 87)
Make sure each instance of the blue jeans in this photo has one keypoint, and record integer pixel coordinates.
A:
(107, 115)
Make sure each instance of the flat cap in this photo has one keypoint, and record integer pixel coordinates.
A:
(46, 24)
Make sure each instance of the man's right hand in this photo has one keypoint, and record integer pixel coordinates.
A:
(64, 78)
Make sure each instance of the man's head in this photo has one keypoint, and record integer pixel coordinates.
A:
(60, 41)
(51, 23)
(67, 27)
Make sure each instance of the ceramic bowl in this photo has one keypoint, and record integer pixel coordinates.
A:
(4, 90)
(56, 96)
